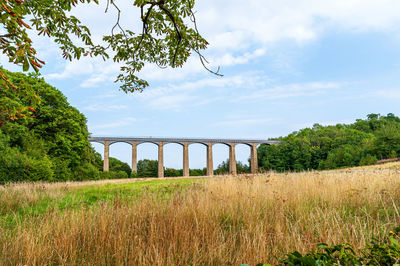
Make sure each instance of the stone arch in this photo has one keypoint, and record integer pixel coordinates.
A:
(120, 141)
(174, 150)
(243, 155)
(199, 142)
(198, 158)
(221, 155)
(149, 141)
(146, 150)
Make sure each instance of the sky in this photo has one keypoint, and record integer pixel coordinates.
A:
(287, 64)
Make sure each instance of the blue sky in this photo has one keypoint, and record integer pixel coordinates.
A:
(286, 65)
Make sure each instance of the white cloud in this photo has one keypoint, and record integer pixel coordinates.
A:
(247, 22)
(243, 122)
(290, 90)
(238, 31)
(72, 69)
(105, 107)
(168, 102)
(114, 125)
(393, 94)
(94, 72)
(229, 59)
(187, 94)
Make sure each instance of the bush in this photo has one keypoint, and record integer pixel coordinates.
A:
(134, 174)
(113, 175)
(86, 172)
(147, 168)
(170, 172)
(106, 175)
(18, 166)
(61, 170)
(386, 252)
(368, 160)
(120, 175)
(117, 166)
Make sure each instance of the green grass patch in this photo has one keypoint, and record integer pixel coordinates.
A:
(87, 196)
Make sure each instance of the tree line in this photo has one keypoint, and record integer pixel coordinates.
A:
(329, 147)
(149, 168)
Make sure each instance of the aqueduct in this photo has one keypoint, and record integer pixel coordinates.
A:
(185, 142)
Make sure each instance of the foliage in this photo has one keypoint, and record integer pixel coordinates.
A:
(54, 142)
(147, 168)
(16, 102)
(324, 255)
(119, 166)
(19, 165)
(386, 252)
(170, 172)
(223, 168)
(328, 147)
(118, 169)
(197, 172)
(166, 38)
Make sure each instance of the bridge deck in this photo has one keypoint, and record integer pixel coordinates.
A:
(181, 140)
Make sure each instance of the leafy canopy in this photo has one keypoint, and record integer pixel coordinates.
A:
(166, 39)
(329, 147)
(53, 145)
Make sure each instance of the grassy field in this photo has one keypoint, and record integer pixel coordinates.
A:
(218, 221)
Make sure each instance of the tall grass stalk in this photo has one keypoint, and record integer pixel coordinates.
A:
(220, 221)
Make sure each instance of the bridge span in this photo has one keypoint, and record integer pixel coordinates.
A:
(185, 142)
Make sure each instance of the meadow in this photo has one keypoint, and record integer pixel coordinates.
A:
(217, 221)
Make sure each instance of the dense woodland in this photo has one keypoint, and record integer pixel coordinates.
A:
(328, 147)
(52, 143)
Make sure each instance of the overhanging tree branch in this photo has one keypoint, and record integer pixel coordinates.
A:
(164, 40)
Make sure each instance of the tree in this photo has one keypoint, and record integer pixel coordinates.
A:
(166, 38)
(117, 165)
(387, 143)
(57, 132)
(328, 147)
(147, 168)
(223, 168)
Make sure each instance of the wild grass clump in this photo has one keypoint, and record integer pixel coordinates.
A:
(221, 221)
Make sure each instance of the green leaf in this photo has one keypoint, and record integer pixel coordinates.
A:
(394, 242)
(25, 66)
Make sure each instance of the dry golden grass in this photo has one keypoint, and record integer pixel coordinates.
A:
(216, 222)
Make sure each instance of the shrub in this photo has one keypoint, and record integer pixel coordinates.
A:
(385, 252)
(368, 160)
(61, 170)
(106, 175)
(18, 166)
(117, 166)
(85, 172)
(120, 174)
(134, 174)
(113, 175)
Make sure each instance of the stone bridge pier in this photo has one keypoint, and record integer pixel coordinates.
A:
(185, 142)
